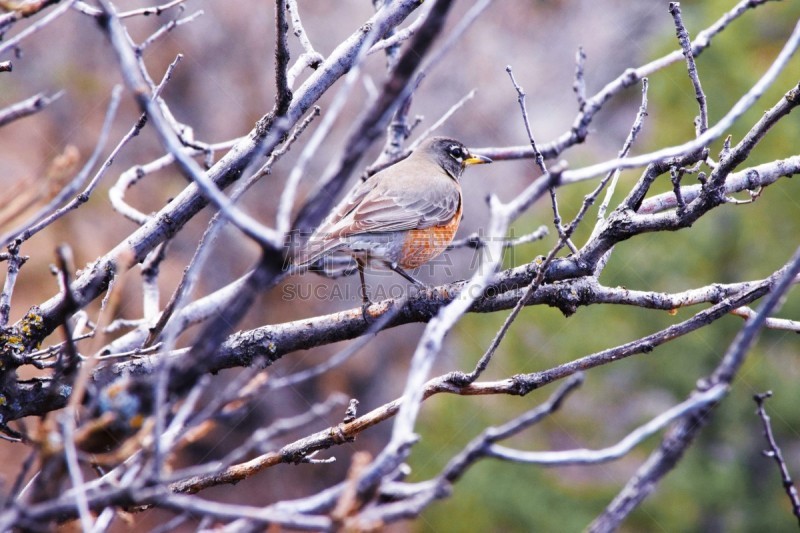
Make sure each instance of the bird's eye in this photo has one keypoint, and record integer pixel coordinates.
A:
(457, 152)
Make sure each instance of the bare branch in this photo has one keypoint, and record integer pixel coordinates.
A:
(275, 341)
(711, 134)
(136, 409)
(696, 402)
(283, 92)
(580, 127)
(579, 85)
(137, 84)
(769, 323)
(310, 57)
(664, 459)
(83, 7)
(411, 503)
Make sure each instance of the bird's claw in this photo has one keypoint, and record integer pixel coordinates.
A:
(364, 314)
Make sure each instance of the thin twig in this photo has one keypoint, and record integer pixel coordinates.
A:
(447, 114)
(400, 35)
(310, 57)
(770, 323)
(165, 29)
(486, 442)
(27, 107)
(692, 404)
(74, 469)
(579, 85)
(281, 150)
(521, 100)
(775, 453)
(226, 470)
(686, 46)
(478, 240)
(614, 175)
(87, 9)
(133, 175)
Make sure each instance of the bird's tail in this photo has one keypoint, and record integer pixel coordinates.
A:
(310, 252)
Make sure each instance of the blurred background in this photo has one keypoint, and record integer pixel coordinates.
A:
(225, 83)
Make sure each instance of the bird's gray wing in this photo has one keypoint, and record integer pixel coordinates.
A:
(394, 203)
(401, 209)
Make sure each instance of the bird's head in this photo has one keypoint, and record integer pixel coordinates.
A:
(451, 155)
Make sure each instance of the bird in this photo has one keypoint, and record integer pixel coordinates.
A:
(401, 217)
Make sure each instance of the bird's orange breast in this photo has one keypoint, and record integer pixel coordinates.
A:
(422, 245)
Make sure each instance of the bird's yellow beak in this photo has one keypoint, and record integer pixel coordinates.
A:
(477, 160)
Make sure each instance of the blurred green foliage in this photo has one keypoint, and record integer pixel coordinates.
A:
(723, 482)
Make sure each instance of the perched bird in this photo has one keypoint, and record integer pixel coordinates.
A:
(400, 218)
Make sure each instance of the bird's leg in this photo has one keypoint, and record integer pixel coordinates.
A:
(364, 297)
(409, 277)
